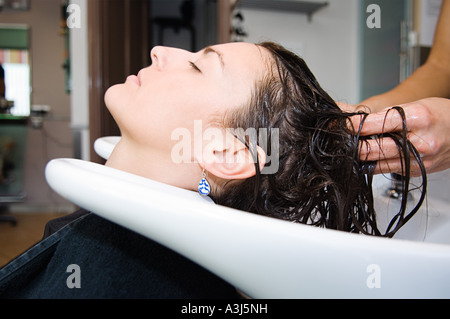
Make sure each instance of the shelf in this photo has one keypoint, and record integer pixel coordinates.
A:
(304, 7)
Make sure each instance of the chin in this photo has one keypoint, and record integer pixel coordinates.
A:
(116, 97)
(111, 93)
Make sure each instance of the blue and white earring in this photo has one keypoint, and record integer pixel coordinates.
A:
(203, 186)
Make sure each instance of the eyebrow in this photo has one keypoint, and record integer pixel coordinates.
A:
(209, 49)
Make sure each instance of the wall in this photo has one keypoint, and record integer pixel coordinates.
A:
(48, 88)
(328, 43)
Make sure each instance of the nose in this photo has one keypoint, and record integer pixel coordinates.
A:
(158, 57)
(162, 56)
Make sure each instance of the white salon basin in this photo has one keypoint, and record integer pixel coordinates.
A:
(105, 145)
(430, 224)
(261, 256)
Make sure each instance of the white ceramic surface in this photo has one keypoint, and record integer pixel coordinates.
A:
(263, 257)
(105, 145)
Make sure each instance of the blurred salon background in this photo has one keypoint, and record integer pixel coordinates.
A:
(58, 58)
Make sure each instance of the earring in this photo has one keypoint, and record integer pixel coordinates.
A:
(203, 186)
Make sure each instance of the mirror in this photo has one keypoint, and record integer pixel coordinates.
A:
(32, 52)
(15, 62)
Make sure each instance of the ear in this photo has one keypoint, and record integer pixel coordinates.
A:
(233, 160)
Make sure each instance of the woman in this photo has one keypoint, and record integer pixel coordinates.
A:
(320, 179)
(231, 90)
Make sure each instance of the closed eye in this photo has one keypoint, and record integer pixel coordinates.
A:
(195, 67)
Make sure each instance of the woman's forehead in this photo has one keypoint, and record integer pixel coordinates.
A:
(242, 54)
(245, 64)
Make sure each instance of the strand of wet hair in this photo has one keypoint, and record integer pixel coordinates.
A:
(405, 150)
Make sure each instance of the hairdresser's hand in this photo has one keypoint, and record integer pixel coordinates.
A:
(428, 124)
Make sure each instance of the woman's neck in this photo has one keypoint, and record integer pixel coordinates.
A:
(153, 165)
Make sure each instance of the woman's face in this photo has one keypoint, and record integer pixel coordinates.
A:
(180, 87)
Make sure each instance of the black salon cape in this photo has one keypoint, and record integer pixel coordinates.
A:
(110, 262)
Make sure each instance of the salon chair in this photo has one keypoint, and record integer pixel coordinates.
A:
(10, 188)
(261, 256)
(6, 218)
(4, 200)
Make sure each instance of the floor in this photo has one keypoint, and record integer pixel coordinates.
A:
(15, 239)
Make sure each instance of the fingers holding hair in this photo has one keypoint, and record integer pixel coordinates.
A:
(388, 130)
(384, 121)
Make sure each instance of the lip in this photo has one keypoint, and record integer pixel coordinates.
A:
(139, 76)
(134, 79)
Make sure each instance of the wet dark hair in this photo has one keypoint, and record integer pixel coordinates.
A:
(320, 180)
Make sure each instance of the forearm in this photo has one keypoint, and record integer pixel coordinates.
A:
(430, 80)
